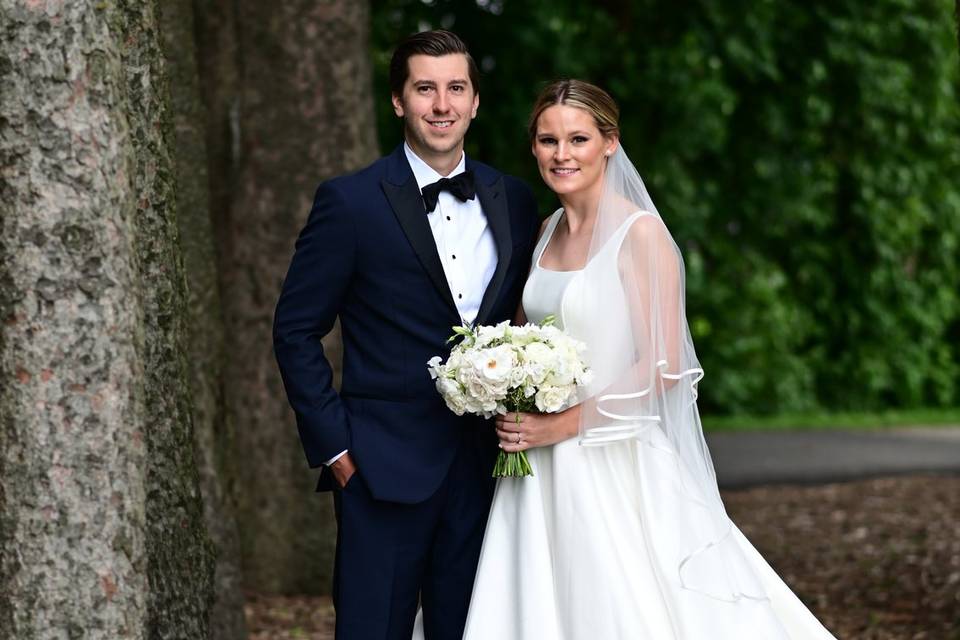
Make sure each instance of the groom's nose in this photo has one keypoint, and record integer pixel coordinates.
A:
(441, 104)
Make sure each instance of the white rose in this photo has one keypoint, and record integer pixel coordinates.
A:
(538, 359)
(519, 376)
(487, 334)
(448, 387)
(521, 336)
(551, 399)
(475, 389)
(562, 375)
(456, 402)
(538, 352)
(552, 333)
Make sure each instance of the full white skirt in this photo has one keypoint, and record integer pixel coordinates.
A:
(564, 557)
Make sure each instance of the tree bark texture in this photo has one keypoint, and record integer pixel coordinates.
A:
(212, 431)
(180, 553)
(288, 91)
(101, 532)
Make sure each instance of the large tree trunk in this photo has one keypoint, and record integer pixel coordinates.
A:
(101, 533)
(180, 555)
(295, 110)
(212, 431)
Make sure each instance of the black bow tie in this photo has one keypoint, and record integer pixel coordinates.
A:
(460, 186)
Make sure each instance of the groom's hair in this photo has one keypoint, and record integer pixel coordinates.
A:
(429, 43)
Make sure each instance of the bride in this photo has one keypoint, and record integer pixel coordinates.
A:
(621, 532)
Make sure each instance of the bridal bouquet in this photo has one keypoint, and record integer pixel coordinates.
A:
(501, 368)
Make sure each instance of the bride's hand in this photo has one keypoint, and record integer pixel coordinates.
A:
(536, 429)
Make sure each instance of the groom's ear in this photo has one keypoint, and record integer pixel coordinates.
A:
(476, 104)
(398, 105)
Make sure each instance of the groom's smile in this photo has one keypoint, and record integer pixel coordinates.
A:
(437, 105)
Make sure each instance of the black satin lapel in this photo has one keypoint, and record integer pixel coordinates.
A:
(493, 199)
(408, 207)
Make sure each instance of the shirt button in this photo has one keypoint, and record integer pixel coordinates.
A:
(448, 217)
(460, 295)
(453, 256)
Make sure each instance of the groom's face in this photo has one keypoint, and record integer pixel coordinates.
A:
(437, 104)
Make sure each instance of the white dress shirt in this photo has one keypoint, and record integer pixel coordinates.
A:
(463, 237)
(464, 241)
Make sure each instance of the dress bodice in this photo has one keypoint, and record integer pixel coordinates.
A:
(574, 299)
(544, 290)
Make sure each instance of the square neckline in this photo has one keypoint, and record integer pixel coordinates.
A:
(547, 244)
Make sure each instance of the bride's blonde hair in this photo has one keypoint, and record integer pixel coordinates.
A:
(582, 95)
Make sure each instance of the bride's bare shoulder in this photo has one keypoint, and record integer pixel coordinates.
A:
(647, 226)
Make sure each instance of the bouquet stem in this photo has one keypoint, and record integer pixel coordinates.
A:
(512, 465)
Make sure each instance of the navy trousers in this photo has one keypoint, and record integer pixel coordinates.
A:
(391, 555)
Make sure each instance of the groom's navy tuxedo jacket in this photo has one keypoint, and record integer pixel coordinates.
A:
(367, 255)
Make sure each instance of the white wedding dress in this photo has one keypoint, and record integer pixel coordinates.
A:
(564, 556)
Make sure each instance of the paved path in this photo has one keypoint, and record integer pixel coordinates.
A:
(750, 458)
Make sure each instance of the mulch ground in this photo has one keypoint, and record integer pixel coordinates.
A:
(873, 559)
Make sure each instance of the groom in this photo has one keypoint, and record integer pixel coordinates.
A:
(401, 251)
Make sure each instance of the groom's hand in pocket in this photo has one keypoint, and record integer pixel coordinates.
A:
(343, 469)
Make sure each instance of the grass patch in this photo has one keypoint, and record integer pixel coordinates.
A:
(840, 420)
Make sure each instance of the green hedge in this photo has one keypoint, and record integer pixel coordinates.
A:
(805, 156)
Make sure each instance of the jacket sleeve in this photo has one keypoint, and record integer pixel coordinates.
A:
(313, 292)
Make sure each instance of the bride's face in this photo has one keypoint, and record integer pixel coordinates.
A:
(570, 149)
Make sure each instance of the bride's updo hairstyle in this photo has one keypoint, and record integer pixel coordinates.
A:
(582, 95)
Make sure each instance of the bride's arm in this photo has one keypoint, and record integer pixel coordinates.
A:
(652, 276)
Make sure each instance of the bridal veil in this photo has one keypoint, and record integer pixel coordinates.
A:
(645, 387)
